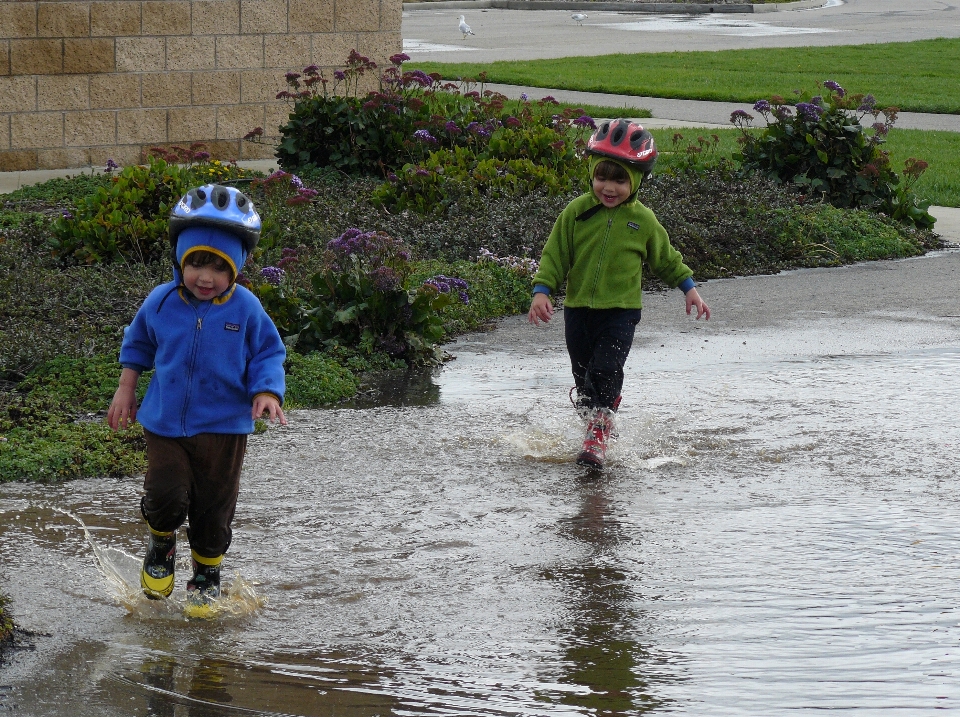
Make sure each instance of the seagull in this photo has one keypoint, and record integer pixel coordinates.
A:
(465, 28)
(579, 17)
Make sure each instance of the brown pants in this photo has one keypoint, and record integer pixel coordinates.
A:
(195, 479)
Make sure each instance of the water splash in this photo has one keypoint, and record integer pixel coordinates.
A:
(121, 575)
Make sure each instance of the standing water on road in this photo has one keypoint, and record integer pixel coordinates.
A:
(777, 532)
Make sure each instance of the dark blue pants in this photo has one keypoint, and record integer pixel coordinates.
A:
(598, 341)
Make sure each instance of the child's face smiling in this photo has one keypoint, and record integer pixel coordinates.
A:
(206, 282)
(611, 192)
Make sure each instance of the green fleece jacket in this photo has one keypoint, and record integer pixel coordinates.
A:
(601, 255)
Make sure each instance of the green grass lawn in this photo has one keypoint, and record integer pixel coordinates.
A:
(914, 76)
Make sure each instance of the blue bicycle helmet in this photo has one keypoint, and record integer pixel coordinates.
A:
(216, 207)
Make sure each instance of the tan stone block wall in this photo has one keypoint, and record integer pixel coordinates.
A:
(4, 133)
(63, 19)
(82, 81)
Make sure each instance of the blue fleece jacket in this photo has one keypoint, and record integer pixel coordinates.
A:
(211, 359)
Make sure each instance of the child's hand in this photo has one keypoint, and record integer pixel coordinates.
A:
(541, 309)
(693, 299)
(268, 403)
(123, 407)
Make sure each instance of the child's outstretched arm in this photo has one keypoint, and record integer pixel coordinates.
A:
(269, 404)
(123, 407)
(693, 299)
(541, 309)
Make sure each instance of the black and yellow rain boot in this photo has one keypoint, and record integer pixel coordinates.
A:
(156, 577)
(203, 589)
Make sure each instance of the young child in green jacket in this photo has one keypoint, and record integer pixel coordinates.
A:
(598, 245)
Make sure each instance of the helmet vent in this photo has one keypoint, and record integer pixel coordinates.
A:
(201, 194)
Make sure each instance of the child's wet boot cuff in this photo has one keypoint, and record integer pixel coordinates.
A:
(156, 577)
(204, 587)
(594, 450)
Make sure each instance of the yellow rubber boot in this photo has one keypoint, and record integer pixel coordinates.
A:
(156, 577)
(203, 589)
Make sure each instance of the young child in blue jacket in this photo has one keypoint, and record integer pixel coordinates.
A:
(218, 362)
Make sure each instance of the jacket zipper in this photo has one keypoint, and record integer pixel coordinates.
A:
(190, 367)
(603, 251)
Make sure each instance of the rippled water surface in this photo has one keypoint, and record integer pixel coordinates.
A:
(774, 535)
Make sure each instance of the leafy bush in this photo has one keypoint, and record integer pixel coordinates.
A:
(822, 149)
(359, 297)
(434, 142)
(127, 219)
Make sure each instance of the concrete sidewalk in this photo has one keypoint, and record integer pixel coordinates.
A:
(699, 113)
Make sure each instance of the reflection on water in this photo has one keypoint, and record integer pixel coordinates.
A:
(599, 636)
(771, 536)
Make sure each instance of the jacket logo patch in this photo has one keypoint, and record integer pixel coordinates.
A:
(231, 327)
(633, 225)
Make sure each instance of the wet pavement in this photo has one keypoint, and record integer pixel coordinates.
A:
(777, 533)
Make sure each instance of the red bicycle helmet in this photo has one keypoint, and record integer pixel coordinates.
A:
(626, 141)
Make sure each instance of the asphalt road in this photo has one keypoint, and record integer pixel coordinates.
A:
(431, 33)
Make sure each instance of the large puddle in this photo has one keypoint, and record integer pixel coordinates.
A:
(776, 534)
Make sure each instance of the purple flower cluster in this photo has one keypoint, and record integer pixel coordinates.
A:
(448, 284)
(524, 97)
(740, 117)
(417, 77)
(783, 112)
(452, 127)
(834, 87)
(385, 279)
(424, 135)
(111, 165)
(375, 249)
(761, 106)
(287, 257)
(868, 104)
(272, 275)
(399, 58)
(880, 128)
(585, 121)
(809, 111)
(339, 75)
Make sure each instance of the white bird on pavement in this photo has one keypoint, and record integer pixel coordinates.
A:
(465, 28)
(579, 17)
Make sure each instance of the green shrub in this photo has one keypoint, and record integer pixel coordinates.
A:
(822, 149)
(127, 219)
(359, 297)
(334, 127)
(517, 155)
